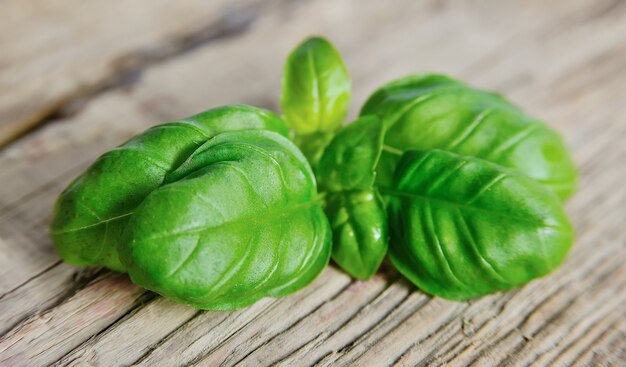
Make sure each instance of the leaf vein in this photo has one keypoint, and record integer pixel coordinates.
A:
(187, 258)
(486, 187)
(435, 185)
(430, 227)
(92, 225)
(159, 163)
(414, 167)
(470, 237)
(235, 269)
(246, 179)
(470, 128)
(501, 215)
(515, 139)
(267, 217)
(317, 102)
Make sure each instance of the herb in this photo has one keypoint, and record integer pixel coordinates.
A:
(438, 112)
(208, 211)
(90, 215)
(435, 233)
(315, 94)
(219, 210)
(347, 173)
(463, 227)
(238, 221)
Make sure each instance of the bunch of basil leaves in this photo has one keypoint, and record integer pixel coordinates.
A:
(458, 186)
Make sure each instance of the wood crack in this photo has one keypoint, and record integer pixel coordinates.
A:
(13, 290)
(167, 337)
(142, 300)
(421, 304)
(315, 309)
(80, 282)
(320, 337)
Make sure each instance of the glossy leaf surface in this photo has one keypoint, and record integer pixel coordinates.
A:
(91, 213)
(315, 88)
(347, 171)
(349, 162)
(238, 221)
(438, 112)
(462, 227)
(313, 145)
(360, 236)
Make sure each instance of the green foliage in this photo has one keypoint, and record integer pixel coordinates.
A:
(215, 211)
(220, 209)
(90, 215)
(316, 88)
(359, 224)
(315, 94)
(349, 162)
(238, 221)
(438, 112)
(463, 227)
(347, 172)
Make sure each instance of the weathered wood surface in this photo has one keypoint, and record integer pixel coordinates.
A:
(56, 51)
(91, 74)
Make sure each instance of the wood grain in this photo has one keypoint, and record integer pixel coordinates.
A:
(562, 61)
(56, 52)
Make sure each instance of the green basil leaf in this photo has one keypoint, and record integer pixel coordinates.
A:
(238, 221)
(438, 112)
(91, 213)
(315, 88)
(349, 162)
(346, 173)
(462, 227)
(359, 225)
(313, 146)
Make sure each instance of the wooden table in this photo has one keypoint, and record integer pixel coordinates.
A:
(79, 77)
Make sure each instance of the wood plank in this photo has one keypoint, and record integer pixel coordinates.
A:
(40, 292)
(52, 52)
(233, 336)
(335, 321)
(140, 330)
(121, 116)
(88, 312)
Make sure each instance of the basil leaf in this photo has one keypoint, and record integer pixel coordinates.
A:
(90, 215)
(462, 227)
(315, 88)
(238, 221)
(438, 112)
(313, 145)
(359, 224)
(356, 211)
(349, 162)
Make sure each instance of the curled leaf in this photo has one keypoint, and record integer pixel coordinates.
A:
(91, 213)
(238, 221)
